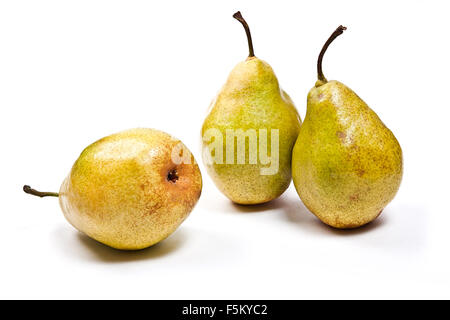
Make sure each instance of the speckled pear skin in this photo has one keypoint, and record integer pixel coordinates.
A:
(118, 192)
(347, 165)
(252, 99)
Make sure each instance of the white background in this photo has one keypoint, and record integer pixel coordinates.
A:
(72, 72)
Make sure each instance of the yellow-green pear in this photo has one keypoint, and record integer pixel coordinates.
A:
(346, 164)
(130, 190)
(249, 133)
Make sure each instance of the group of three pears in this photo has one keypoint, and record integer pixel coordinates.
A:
(133, 189)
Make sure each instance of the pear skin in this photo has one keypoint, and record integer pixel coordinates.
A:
(251, 102)
(347, 165)
(125, 191)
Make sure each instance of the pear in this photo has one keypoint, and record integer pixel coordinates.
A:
(130, 190)
(346, 164)
(249, 133)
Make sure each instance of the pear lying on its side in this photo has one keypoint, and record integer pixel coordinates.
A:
(130, 190)
(254, 165)
(346, 164)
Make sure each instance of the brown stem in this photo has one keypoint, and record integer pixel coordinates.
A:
(333, 36)
(29, 190)
(238, 16)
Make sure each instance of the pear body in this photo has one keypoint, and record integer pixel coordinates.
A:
(126, 192)
(347, 165)
(251, 105)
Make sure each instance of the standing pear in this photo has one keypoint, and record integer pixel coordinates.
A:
(249, 133)
(346, 164)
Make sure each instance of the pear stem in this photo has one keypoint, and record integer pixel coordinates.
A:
(333, 36)
(238, 16)
(29, 190)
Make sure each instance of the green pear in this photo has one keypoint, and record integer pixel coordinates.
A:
(249, 133)
(130, 190)
(346, 164)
